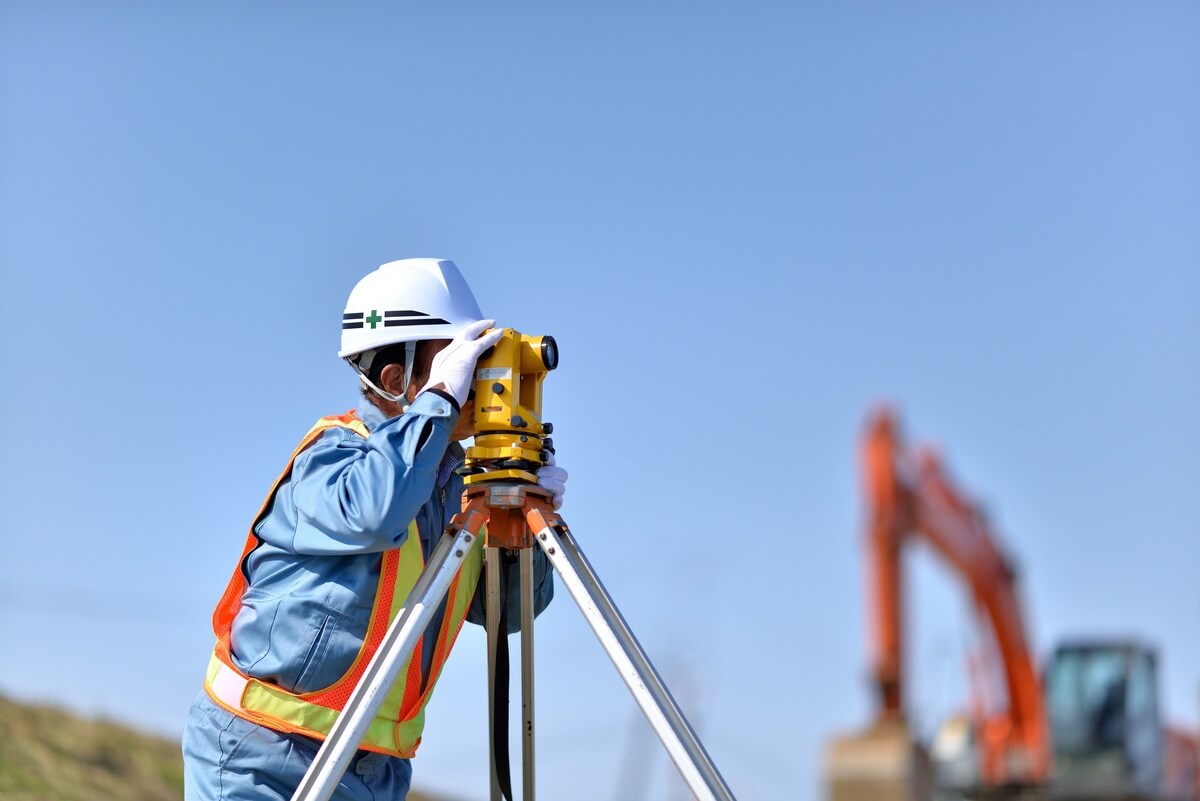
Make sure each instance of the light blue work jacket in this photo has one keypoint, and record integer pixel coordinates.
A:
(312, 578)
(311, 583)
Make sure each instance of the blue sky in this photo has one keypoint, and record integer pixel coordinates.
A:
(745, 224)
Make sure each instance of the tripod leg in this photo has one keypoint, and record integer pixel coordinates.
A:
(492, 569)
(527, 770)
(335, 753)
(497, 634)
(633, 665)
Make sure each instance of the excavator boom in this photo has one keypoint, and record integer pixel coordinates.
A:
(909, 497)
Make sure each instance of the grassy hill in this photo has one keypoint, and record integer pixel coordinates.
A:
(47, 754)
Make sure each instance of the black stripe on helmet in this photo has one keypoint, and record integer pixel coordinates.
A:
(417, 321)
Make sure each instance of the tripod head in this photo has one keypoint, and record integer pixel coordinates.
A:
(512, 441)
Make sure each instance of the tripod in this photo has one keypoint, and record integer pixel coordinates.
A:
(518, 515)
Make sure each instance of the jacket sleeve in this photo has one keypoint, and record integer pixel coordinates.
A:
(355, 495)
(510, 589)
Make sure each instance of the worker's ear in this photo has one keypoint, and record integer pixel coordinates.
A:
(391, 379)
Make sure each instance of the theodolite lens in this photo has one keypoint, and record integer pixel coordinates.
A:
(549, 352)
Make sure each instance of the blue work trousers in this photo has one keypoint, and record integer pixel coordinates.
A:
(231, 759)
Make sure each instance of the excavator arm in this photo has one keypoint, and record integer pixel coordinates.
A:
(909, 497)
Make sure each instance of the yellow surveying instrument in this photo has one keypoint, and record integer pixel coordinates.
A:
(503, 504)
(511, 439)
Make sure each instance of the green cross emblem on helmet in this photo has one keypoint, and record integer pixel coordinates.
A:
(374, 319)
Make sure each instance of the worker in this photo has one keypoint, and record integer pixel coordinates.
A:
(338, 543)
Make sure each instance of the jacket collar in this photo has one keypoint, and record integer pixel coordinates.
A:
(370, 414)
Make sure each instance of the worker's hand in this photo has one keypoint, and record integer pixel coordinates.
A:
(553, 478)
(454, 366)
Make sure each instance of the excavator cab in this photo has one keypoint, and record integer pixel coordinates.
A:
(1102, 705)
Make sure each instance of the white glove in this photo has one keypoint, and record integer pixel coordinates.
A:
(454, 365)
(554, 479)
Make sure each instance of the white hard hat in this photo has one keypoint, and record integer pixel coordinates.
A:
(407, 301)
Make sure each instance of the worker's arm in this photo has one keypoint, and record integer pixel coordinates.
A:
(355, 495)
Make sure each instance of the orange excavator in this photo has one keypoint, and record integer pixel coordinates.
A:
(1089, 730)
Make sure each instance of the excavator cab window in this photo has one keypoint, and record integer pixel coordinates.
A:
(1102, 702)
(1085, 695)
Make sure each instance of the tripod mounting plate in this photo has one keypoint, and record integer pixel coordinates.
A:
(514, 511)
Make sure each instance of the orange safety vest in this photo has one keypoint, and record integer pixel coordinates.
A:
(396, 728)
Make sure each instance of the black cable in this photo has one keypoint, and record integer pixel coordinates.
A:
(500, 703)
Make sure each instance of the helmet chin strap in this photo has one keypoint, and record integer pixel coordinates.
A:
(410, 352)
